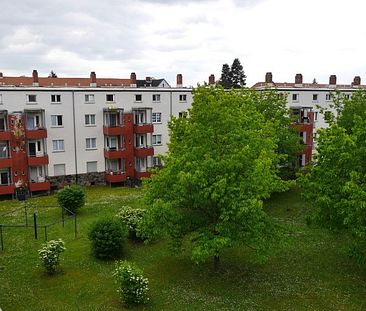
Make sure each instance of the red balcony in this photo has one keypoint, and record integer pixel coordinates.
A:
(43, 160)
(8, 189)
(114, 131)
(6, 162)
(142, 174)
(39, 186)
(144, 152)
(143, 128)
(5, 135)
(115, 177)
(115, 154)
(36, 134)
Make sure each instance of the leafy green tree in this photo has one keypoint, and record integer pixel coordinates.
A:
(225, 80)
(237, 76)
(336, 184)
(221, 164)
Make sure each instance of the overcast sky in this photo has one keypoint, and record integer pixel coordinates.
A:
(162, 38)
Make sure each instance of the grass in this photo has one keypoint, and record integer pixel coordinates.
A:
(312, 272)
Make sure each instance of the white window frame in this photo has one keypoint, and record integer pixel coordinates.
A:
(92, 163)
(328, 97)
(156, 117)
(157, 161)
(58, 145)
(295, 97)
(157, 140)
(90, 143)
(183, 98)
(88, 118)
(55, 120)
(55, 98)
(156, 98)
(315, 98)
(1, 99)
(62, 165)
(31, 102)
(89, 98)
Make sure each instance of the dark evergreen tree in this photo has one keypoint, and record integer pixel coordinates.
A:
(237, 76)
(225, 81)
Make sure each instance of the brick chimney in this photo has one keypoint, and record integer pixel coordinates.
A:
(269, 78)
(93, 79)
(179, 80)
(35, 78)
(356, 81)
(333, 80)
(133, 79)
(298, 78)
(211, 80)
(1, 75)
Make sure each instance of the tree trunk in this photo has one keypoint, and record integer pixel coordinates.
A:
(216, 263)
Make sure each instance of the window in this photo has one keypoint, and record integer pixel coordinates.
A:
(33, 121)
(56, 120)
(3, 150)
(182, 97)
(91, 167)
(315, 97)
(347, 96)
(35, 148)
(109, 97)
(4, 177)
(156, 117)
(55, 99)
(140, 141)
(328, 97)
(295, 97)
(58, 145)
(31, 99)
(156, 97)
(156, 139)
(1, 98)
(183, 114)
(2, 123)
(59, 170)
(91, 143)
(138, 98)
(316, 116)
(89, 99)
(90, 119)
(111, 142)
(140, 117)
(157, 161)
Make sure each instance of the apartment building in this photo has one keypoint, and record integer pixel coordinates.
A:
(56, 131)
(304, 99)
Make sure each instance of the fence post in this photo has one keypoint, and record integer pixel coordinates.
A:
(35, 225)
(1, 237)
(25, 214)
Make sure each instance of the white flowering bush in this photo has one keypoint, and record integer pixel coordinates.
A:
(131, 218)
(50, 254)
(132, 286)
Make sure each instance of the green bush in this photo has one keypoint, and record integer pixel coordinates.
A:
(132, 286)
(107, 237)
(50, 254)
(131, 218)
(71, 197)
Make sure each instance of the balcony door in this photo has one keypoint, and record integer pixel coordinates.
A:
(33, 121)
(35, 148)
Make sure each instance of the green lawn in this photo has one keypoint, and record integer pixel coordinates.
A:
(312, 272)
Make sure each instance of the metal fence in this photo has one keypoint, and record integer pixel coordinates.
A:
(66, 215)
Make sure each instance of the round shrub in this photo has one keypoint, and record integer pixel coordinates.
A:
(131, 218)
(132, 286)
(50, 254)
(107, 237)
(71, 197)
